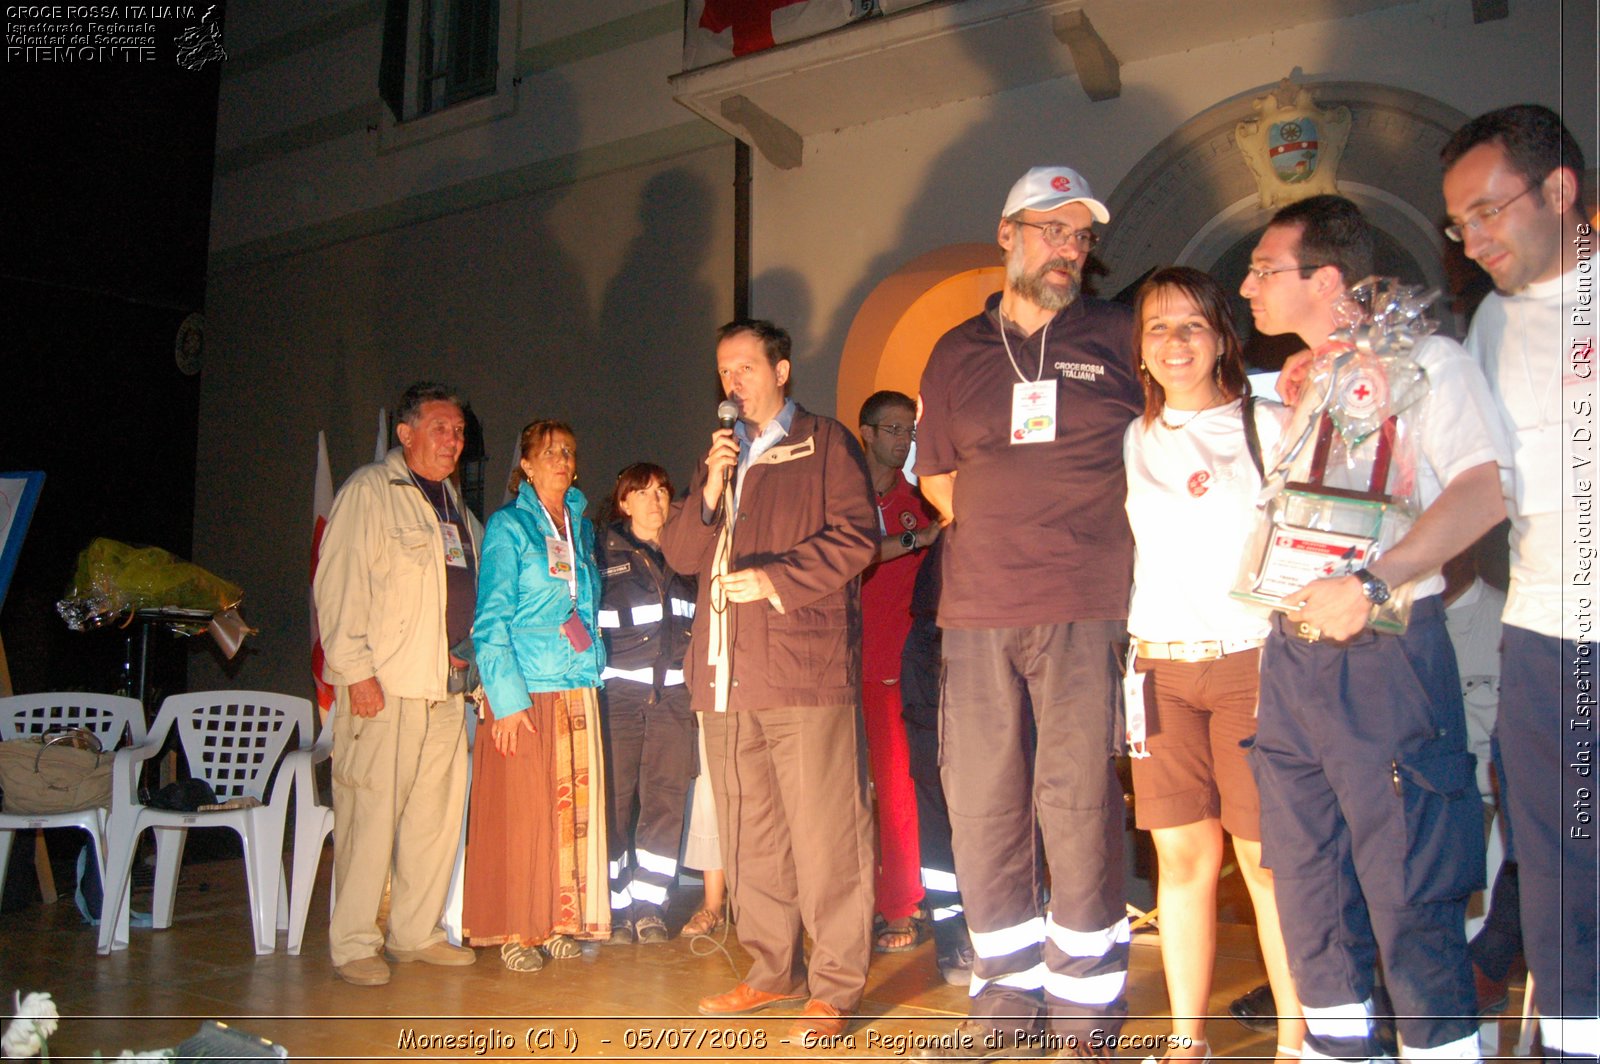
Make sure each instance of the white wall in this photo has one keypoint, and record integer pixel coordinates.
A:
(870, 198)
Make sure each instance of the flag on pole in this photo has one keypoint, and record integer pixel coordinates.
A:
(381, 451)
(321, 506)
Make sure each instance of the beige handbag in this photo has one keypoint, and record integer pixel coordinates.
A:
(58, 772)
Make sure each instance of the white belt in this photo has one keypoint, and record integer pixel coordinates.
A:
(1201, 650)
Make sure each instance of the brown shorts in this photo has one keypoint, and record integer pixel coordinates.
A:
(1196, 715)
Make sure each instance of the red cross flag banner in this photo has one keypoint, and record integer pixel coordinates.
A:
(722, 29)
(1343, 488)
(321, 507)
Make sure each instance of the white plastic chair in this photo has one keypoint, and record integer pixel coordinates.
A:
(313, 823)
(107, 716)
(233, 740)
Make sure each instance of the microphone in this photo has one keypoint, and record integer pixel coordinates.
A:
(727, 414)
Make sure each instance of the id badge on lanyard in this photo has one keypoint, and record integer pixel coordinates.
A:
(1033, 411)
(1133, 707)
(558, 553)
(1033, 402)
(562, 565)
(455, 553)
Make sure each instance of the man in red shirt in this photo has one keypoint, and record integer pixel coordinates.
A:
(887, 426)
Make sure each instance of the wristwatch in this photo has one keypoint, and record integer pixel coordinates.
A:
(908, 540)
(1374, 587)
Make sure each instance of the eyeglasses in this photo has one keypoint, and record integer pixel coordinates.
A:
(1478, 219)
(895, 430)
(1159, 330)
(1261, 273)
(1057, 235)
(563, 450)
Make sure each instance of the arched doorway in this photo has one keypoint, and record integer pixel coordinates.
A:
(1192, 201)
(899, 322)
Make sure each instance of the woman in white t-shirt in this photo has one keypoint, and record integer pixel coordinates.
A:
(1193, 474)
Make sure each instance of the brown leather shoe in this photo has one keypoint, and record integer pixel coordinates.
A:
(818, 1021)
(742, 999)
(364, 971)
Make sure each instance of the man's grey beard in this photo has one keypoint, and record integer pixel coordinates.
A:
(1036, 290)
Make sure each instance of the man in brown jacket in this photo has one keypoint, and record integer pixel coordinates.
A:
(774, 667)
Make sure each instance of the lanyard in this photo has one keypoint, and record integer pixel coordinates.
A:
(444, 515)
(572, 553)
(1043, 339)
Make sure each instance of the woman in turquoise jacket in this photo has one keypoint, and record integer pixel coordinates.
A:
(536, 878)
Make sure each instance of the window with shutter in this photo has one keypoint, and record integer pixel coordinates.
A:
(438, 53)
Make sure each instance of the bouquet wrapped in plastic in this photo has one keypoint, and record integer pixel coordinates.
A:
(114, 578)
(1344, 487)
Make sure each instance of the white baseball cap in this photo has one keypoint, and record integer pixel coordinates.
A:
(1044, 188)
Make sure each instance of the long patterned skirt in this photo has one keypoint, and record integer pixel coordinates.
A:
(536, 829)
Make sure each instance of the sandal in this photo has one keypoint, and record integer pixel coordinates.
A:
(563, 948)
(651, 929)
(703, 922)
(903, 935)
(521, 958)
(622, 933)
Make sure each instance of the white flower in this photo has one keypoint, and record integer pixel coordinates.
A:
(20, 1040)
(36, 1020)
(39, 1008)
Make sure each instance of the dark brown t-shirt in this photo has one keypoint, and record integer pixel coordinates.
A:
(1040, 534)
(461, 581)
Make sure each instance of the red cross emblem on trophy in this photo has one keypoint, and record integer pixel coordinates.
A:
(1362, 393)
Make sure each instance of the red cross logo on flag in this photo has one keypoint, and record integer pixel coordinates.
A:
(750, 20)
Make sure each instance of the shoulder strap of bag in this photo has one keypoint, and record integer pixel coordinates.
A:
(1252, 438)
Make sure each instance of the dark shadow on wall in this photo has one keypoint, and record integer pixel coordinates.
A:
(788, 288)
(655, 372)
(486, 298)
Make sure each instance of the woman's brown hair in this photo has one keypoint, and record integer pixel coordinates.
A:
(535, 434)
(631, 479)
(1206, 294)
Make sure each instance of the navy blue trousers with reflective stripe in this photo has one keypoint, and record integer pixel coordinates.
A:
(1027, 735)
(650, 758)
(1371, 824)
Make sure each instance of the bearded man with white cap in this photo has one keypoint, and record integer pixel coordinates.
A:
(1019, 436)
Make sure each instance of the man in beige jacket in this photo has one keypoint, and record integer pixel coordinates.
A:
(395, 590)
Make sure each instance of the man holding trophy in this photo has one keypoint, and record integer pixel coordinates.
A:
(1369, 813)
